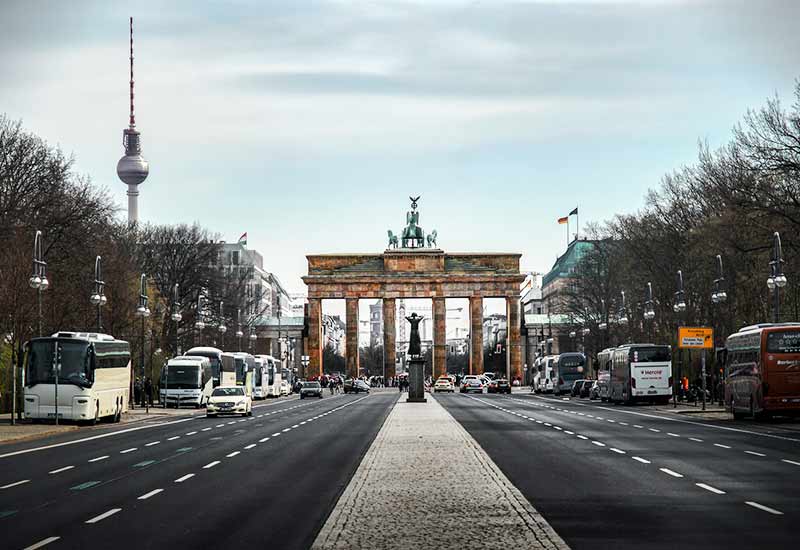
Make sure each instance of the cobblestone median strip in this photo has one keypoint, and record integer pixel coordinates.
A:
(426, 483)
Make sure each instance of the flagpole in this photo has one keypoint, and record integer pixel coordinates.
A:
(578, 222)
(567, 231)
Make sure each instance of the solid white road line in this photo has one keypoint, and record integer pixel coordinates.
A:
(64, 469)
(722, 446)
(126, 451)
(184, 478)
(250, 446)
(755, 453)
(639, 459)
(790, 461)
(43, 542)
(670, 472)
(233, 454)
(710, 488)
(695, 439)
(10, 485)
(104, 515)
(764, 508)
(211, 465)
(152, 493)
(99, 458)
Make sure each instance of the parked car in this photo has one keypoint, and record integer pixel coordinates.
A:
(499, 385)
(594, 390)
(576, 387)
(310, 389)
(472, 384)
(586, 387)
(355, 386)
(229, 400)
(443, 384)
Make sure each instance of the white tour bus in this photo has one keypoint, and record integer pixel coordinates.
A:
(214, 355)
(273, 387)
(94, 377)
(546, 374)
(238, 369)
(641, 372)
(604, 360)
(186, 380)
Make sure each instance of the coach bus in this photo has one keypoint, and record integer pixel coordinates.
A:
(94, 377)
(214, 356)
(238, 369)
(186, 380)
(567, 368)
(762, 370)
(273, 378)
(604, 360)
(641, 372)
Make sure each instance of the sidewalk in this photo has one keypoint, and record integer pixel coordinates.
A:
(409, 492)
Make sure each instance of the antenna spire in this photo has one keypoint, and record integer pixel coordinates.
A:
(132, 116)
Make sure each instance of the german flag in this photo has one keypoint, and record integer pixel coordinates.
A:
(563, 220)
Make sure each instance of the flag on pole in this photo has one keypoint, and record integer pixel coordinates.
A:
(243, 239)
(574, 212)
(563, 220)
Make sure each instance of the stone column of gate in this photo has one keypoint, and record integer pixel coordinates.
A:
(476, 335)
(513, 348)
(314, 338)
(351, 336)
(439, 337)
(389, 331)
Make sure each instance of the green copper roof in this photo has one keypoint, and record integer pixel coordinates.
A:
(565, 264)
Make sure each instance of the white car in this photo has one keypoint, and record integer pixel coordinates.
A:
(286, 389)
(443, 384)
(229, 400)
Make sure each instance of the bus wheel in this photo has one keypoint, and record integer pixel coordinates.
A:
(117, 414)
(736, 414)
(93, 421)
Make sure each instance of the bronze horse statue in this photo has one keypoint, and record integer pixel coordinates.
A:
(393, 240)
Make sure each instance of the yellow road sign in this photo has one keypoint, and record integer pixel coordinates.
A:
(695, 337)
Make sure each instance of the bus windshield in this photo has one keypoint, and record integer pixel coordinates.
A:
(785, 341)
(660, 354)
(241, 370)
(75, 362)
(181, 377)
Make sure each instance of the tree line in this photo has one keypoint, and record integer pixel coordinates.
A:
(39, 190)
(729, 203)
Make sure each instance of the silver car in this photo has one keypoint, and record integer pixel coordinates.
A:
(310, 389)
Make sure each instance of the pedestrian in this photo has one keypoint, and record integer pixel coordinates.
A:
(148, 390)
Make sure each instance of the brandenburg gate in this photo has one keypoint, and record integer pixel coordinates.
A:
(410, 269)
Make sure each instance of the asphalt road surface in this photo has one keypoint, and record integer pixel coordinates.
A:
(267, 481)
(608, 476)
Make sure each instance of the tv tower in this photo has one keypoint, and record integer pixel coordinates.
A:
(132, 169)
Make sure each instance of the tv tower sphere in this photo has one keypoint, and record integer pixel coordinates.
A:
(132, 169)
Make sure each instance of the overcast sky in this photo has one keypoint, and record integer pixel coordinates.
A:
(308, 124)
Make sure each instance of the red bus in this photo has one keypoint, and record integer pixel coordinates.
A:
(762, 370)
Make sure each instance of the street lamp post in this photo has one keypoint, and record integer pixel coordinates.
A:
(177, 317)
(252, 337)
(99, 297)
(239, 333)
(649, 311)
(143, 312)
(776, 280)
(679, 307)
(38, 280)
(221, 327)
(622, 315)
(199, 325)
(718, 296)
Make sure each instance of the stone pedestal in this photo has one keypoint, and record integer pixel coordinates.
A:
(416, 380)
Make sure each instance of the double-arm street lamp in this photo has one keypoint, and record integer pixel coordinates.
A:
(718, 296)
(679, 307)
(239, 333)
(649, 309)
(98, 298)
(143, 312)
(776, 280)
(221, 327)
(622, 315)
(38, 280)
(176, 315)
(252, 337)
(199, 325)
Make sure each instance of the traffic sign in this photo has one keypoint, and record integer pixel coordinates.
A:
(695, 337)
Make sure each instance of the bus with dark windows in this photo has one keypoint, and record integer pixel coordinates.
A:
(567, 368)
(762, 371)
(77, 376)
(604, 360)
(214, 356)
(641, 372)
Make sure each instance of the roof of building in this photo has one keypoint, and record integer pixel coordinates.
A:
(544, 319)
(565, 263)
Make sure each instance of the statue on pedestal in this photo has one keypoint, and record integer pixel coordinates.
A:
(414, 342)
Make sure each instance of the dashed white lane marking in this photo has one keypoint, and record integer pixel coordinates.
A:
(547, 424)
(243, 420)
(248, 447)
(303, 422)
(569, 432)
(640, 459)
(98, 459)
(598, 444)
(10, 485)
(612, 421)
(173, 438)
(579, 436)
(557, 428)
(64, 469)
(696, 439)
(790, 461)
(618, 451)
(184, 478)
(539, 422)
(231, 422)
(276, 434)
(622, 423)
(654, 430)
(152, 493)
(672, 434)
(126, 451)
(286, 429)
(263, 439)
(191, 433)
(233, 454)
(755, 453)
(104, 515)
(722, 446)
(637, 426)
(152, 443)
(710, 488)
(671, 472)
(211, 465)
(205, 429)
(296, 426)
(220, 426)
(765, 508)
(43, 542)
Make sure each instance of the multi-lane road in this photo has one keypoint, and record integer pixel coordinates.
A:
(190, 482)
(608, 476)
